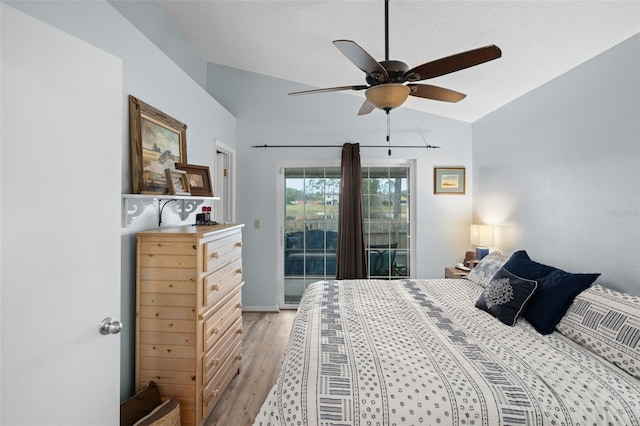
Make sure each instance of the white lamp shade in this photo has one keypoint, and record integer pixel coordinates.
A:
(482, 235)
(387, 96)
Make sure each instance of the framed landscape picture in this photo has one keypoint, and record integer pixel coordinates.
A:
(199, 179)
(449, 180)
(158, 141)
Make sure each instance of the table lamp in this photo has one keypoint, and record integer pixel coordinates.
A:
(482, 238)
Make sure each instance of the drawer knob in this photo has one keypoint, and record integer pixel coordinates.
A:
(239, 244)
(214, 255)
(239, 270)
(238, 357)
(214, 361)
(214, 331)
(214, 287)
(239, 331)
(239, 305)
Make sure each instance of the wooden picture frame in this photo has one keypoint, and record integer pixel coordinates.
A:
(177, 182)
(449, 180)
(158, 141)
(199, 179)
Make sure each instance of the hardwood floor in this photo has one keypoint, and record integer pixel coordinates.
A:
(264, 341)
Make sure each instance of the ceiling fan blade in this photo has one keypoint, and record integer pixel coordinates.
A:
(360, 57)
(436, 93)
(454, 63)
(366, 107)
(329, 89)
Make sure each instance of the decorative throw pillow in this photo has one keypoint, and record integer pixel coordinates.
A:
(608, 323)
(506, 296)
(486, 269)
(139, 405)
(521, 265)
(168, 414)
(555, 294)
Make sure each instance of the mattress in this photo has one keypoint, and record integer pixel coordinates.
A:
(377, 352)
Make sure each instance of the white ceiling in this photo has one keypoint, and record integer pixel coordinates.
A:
(291, 40)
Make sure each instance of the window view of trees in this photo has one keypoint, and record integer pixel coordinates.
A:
(311, 223)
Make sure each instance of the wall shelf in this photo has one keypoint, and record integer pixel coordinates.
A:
(134, 204)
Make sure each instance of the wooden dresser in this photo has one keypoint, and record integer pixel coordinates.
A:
(189, 314)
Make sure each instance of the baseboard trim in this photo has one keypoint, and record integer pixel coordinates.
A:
(275, 308)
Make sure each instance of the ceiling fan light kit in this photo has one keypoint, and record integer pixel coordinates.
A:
(387, 96)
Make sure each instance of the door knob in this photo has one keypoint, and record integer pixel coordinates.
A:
(110, 326)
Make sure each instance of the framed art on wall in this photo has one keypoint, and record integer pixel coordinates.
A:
(449, 180)
(158, 141)
(199, 179)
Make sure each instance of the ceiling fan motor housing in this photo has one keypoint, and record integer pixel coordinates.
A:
(395, 72)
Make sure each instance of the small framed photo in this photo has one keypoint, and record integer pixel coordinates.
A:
(199, 179)
(449, 180)
(177, 182)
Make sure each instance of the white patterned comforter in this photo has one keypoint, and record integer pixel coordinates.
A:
(411, 352)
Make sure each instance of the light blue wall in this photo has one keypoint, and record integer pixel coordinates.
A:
(154, 78)
(559, 168)
(267, 115)
(147, 17)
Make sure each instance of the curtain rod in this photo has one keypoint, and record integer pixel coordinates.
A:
(340, 146)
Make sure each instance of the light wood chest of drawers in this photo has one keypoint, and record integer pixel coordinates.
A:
(189, 314)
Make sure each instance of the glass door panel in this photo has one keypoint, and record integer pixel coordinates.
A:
(311, 225)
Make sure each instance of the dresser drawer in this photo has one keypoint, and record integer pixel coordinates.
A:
(213, 360)
(216, 386)
(219, 252)
(223, 316)
(217, 285)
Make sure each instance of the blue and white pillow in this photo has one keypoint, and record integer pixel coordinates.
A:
(487, 268)
(608, 323)
(506, 296)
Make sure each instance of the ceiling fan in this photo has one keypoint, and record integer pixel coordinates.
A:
(390, 82)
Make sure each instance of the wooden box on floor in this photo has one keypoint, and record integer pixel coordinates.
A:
(189, 314)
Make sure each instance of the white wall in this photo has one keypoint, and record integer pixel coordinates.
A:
(266, 115)
(152, 77)
(559, 168)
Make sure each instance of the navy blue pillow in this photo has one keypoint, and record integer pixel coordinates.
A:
(554, 296)
(520, 264)
(506, 296)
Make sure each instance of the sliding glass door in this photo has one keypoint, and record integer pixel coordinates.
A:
(310, 225)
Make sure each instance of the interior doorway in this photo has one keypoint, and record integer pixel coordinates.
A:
(224, 178)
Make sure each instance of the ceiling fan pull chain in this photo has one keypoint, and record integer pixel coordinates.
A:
(389, 131)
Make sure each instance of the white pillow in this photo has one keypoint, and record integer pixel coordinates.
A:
(608, 323)
(487, 268)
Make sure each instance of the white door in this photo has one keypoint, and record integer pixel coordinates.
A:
(60, 164)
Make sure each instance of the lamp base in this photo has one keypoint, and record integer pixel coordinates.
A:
(481, 252)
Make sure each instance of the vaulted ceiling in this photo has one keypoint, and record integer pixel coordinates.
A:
(291, 40)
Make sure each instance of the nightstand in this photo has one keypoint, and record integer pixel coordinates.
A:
(451, 272)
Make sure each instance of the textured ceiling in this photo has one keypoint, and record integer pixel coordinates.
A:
(291, 40)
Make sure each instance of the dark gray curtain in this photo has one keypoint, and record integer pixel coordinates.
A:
(352, 262)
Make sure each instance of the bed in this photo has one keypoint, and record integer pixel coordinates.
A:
(377, 352)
